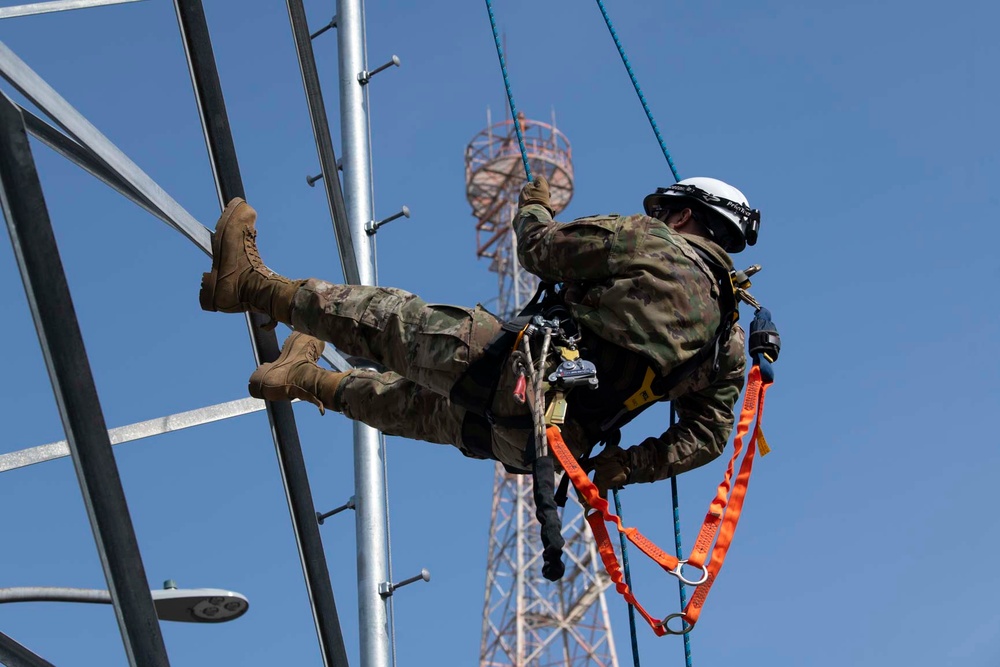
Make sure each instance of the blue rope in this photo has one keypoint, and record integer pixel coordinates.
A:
(628, 582)
(673, 416)
(510, 95)
(638, 90)
(679, 550)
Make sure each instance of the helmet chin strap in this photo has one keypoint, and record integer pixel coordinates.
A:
(701, 228)
(693, 224)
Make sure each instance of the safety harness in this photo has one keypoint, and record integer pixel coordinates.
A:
(719, 526)
(595, 409)
(477, 388)
(609, 405)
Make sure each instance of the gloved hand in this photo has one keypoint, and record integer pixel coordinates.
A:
(611, 469)
(535, 192)
(764, 343)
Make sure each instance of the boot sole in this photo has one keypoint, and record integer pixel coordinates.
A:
(206, 296)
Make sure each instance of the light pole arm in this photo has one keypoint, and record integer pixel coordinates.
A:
(54, 594)
(196, 605)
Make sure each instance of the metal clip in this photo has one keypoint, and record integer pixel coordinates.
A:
(568, 353)
(665, 624)
(742, 278)
(677, 572)
(741, 283)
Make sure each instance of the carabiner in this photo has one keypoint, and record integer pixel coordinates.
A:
(665, 624)
(677, 572)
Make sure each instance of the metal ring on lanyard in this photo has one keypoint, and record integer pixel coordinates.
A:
(665, 624)
(687, 582)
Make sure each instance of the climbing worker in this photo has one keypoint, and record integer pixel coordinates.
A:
(649, 300)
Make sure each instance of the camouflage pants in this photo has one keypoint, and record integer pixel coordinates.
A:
(426, 348)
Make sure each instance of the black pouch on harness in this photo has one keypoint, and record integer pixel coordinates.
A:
(477, 387)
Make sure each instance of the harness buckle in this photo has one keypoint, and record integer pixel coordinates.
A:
(678, 572)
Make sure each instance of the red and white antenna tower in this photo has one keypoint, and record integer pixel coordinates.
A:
(529, 621)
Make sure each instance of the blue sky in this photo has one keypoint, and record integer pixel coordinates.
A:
(864, 131)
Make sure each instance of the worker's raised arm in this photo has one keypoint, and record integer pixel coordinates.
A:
(584, 249)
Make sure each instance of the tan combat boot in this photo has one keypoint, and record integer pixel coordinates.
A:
(294, 374)
(239, 281)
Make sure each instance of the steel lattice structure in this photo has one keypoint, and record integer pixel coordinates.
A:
(529, 621)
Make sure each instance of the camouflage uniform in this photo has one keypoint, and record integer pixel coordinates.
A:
(426, 348)
(630, 281)
(636, 283)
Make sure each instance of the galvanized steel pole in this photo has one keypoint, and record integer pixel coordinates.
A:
(369, 479)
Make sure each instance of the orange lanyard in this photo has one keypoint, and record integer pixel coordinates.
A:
(721, 520)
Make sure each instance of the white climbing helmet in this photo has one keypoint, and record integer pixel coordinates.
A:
(730, 219)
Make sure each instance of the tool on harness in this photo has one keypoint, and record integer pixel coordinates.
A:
(520, 370)
(574, 373)
(476, 389)
(543, 466)
(558, 407)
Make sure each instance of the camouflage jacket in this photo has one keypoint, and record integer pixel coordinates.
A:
(633, 281)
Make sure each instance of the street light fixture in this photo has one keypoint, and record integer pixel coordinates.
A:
(195, 605)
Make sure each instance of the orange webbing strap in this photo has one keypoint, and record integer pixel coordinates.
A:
(699, 554)
(753, 404)
(596, 520)
(714, 521)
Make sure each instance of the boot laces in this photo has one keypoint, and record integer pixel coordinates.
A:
(250, 247)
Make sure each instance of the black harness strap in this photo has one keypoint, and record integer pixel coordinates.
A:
(477, 387)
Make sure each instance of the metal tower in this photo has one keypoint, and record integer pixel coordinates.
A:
(529, 621)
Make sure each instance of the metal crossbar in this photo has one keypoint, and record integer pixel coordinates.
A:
(65, 356)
